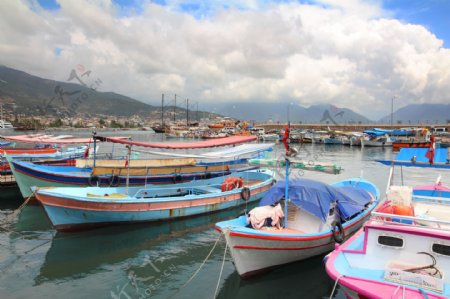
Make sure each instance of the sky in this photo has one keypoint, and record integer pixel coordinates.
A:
(349, 53)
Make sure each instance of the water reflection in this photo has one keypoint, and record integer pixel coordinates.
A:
(305, 279)
(77, 254)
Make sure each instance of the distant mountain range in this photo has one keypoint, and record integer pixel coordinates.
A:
(33, 95)
(421, 114)
(278, 112)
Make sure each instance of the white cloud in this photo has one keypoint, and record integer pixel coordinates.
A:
(350, 53)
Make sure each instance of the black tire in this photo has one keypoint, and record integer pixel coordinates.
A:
(93, 181)
(114, 181)
(245, 194)
(338, 235)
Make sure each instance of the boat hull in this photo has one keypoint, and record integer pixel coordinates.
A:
(396, 146)
(69, 213)
(373, 286)
(255, 254)
(27, 177)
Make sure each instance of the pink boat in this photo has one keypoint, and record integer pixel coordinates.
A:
(403, 252)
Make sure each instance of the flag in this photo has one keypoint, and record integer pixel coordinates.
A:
(430, 152)
(285, 139)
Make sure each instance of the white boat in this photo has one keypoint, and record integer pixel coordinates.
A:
(269, 137)
(380, 141)
(5, 125)
(316, 220)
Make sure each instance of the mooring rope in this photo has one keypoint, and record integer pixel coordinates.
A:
(335, 285)
(198, 270)
(221, 270)
(13, 215)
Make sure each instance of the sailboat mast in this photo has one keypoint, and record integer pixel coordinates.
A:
(162, 111)
(174, 109)
(187, 112)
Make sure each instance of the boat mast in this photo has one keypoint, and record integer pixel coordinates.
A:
(187, 112)
(162, 111)
(174, 109)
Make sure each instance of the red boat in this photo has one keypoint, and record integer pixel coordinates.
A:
(396, 146)
(27, 151)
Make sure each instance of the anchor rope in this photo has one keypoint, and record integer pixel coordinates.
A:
(198, 270)
(221, 270)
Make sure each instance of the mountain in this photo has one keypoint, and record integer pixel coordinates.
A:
(421, 114)
(277, 112)
(33, 95)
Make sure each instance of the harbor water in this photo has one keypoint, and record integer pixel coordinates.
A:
(174, 259)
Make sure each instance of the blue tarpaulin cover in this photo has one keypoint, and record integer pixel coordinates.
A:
(316, 197)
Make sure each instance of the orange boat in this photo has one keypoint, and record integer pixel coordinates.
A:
(27, 151)
(396, 146)
(216, 126)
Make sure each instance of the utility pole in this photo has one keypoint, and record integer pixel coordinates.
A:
(392, 111)
(197, 113)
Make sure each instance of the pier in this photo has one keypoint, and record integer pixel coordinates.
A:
(348, 127)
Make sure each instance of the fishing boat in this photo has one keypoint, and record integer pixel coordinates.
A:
(319, 215)
(376, 141)
(269, 137)
(395, 257)
(298, 164)
(29, 174)
(404, 250)
(410, 143)
(80, 208)
(316, 215)
(421, 157)
(176, 168)
(7, 144)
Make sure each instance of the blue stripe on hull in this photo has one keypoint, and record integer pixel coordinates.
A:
(83, 179)
(69, 218)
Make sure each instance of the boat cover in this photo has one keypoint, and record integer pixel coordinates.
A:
(316, 197)
(183, 145)
(376, 133)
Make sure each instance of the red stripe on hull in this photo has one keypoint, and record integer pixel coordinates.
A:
(136, 207)
(281, 248)
(294, 238)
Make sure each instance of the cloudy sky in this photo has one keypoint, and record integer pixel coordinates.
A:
(349, 53)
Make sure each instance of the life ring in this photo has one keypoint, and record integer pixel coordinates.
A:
(245, 194)
(114, 181)
(93, 180)
(229, 184)
(338, 235)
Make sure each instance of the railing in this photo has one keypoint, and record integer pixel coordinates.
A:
(414, 220)
(434, 199)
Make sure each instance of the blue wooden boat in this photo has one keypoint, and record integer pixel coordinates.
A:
(80, 208)
(29, 174)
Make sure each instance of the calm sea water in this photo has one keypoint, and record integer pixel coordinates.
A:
(162, 260)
